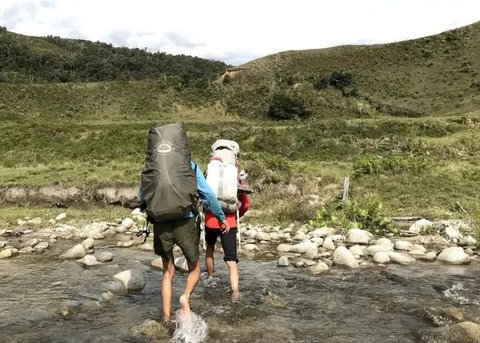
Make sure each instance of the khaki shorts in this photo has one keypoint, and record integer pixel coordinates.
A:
(182, 232)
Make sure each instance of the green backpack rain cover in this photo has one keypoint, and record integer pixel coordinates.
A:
(168, 181)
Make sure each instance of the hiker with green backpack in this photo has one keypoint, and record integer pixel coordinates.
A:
(171, 184)
(229, 185)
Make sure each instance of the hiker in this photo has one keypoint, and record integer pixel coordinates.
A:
(230, 186)
(170, 184)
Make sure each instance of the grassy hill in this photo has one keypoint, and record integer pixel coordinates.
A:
(401, 120)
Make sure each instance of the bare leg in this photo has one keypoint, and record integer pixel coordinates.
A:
(209, 261)
(192, 280)
(233, 273)
(167, 280)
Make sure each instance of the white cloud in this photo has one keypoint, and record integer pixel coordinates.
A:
(236, 31)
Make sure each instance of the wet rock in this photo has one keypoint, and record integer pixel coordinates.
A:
(454, 255)
(343, 257)
(465, 332)
(94, 230)
(274, 300)
(403, 245)
(7, 253)
(383, 241)
(401, 258)
(262, 236)
(153, 331)
(453, 234)
(467, 241)
(283, 261)
(127, 222)
(303, 247)
(381, 257)
(428, 257)
(89, 260)
(420, 225)
(310, 254)
(358, 236)
(146, 247)
(125, 244)
(78, 251)
(104, 256)
(320, 267)
(321, 232)
(157, 263)
(88, 243)
(284, 247)
(373, 249)
(181, 264)
(121, 229)
(250, 247)
(30, 243)
(132, 279)
(328, 244)
(357, 250)
(41, 246)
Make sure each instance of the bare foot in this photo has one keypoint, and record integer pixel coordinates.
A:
(184, 303)
(235, 295)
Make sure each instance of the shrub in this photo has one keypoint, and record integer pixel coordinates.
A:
(285, 106)
(369, 215)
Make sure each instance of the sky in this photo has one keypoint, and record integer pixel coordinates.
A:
(236, 31)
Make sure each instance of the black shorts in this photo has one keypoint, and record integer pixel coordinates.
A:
(229, 242)
(182, 232)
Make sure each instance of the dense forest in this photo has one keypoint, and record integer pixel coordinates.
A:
(55, 59)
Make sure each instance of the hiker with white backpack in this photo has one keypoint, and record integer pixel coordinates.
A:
(170, 186)
(223, 176)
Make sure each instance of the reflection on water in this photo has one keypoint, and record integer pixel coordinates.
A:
(45, 299)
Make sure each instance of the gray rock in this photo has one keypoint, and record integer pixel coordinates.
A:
(284, 247)
(157, 263)
(41, 246)
(6, 253)
(60, 217)
(30, 243)
(454, 255)
(78, 251)
(262, 236)
(125, 244)
(127, 222)
(318, 268)
(357, 250)
(146, 247)
(181, 263)
(428, 257)
(464, 332)
(381, 257)
(104, 256)
(89, 260)
(373, 249)
(343, 257)
(328, 244)
(420, 225)
(403, 245)
(303, 247)
(358, 236)
(383, 241)
(132, 279)
(401, 258)
(283, 261)
(88, 243)
(250, 247)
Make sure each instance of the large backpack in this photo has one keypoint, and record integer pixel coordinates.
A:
(222, 174)
(168, 181)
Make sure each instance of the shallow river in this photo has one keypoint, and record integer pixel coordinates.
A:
(372, 304)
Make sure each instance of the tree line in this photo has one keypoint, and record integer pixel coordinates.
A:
(68, 60)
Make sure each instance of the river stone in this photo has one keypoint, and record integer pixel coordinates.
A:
(181, 263)
(428, 257)
(127, 222)
(104, 256)
(467, 241)
(401, 258)
(464, 332)
(469, 251)
(88, 243)
(284, 247)
(274, 300)
(320, 232)
(60, 217)
(78, 251)
(35, 221)
(94, 230)
(30, 243)
(419, 247)
(328, 244)
(300, 236)
(132, 279)
(383, 241)
(381, 257)
(453, 234)
(358, 236)
(419, 225)
(41, 246)
(283, 261)
(343, 257)
(125, 244)
(403, 245)
(262, 236)
(318, 268)
(157, 263)
(317, 240)
(357, 250)
(303, 247)
(153, 331)
(274, 236)
(146, 247)
(373, 249)
(310, 254)
(89, 260)
(454, 255)
(6, 253)
(250, 247)
(416, 253)
(121, 229)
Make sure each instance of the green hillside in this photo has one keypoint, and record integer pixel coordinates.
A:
(401, 120)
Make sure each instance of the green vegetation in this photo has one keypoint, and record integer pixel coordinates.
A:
(402, 120)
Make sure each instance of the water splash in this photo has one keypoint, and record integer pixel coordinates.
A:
(454, 293)
(190, 328)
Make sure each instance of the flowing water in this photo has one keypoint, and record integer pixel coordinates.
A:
(44, 299)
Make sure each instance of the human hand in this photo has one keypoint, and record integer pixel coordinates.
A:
(225, 227)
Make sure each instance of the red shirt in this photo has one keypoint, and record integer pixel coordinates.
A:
(212, 222)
